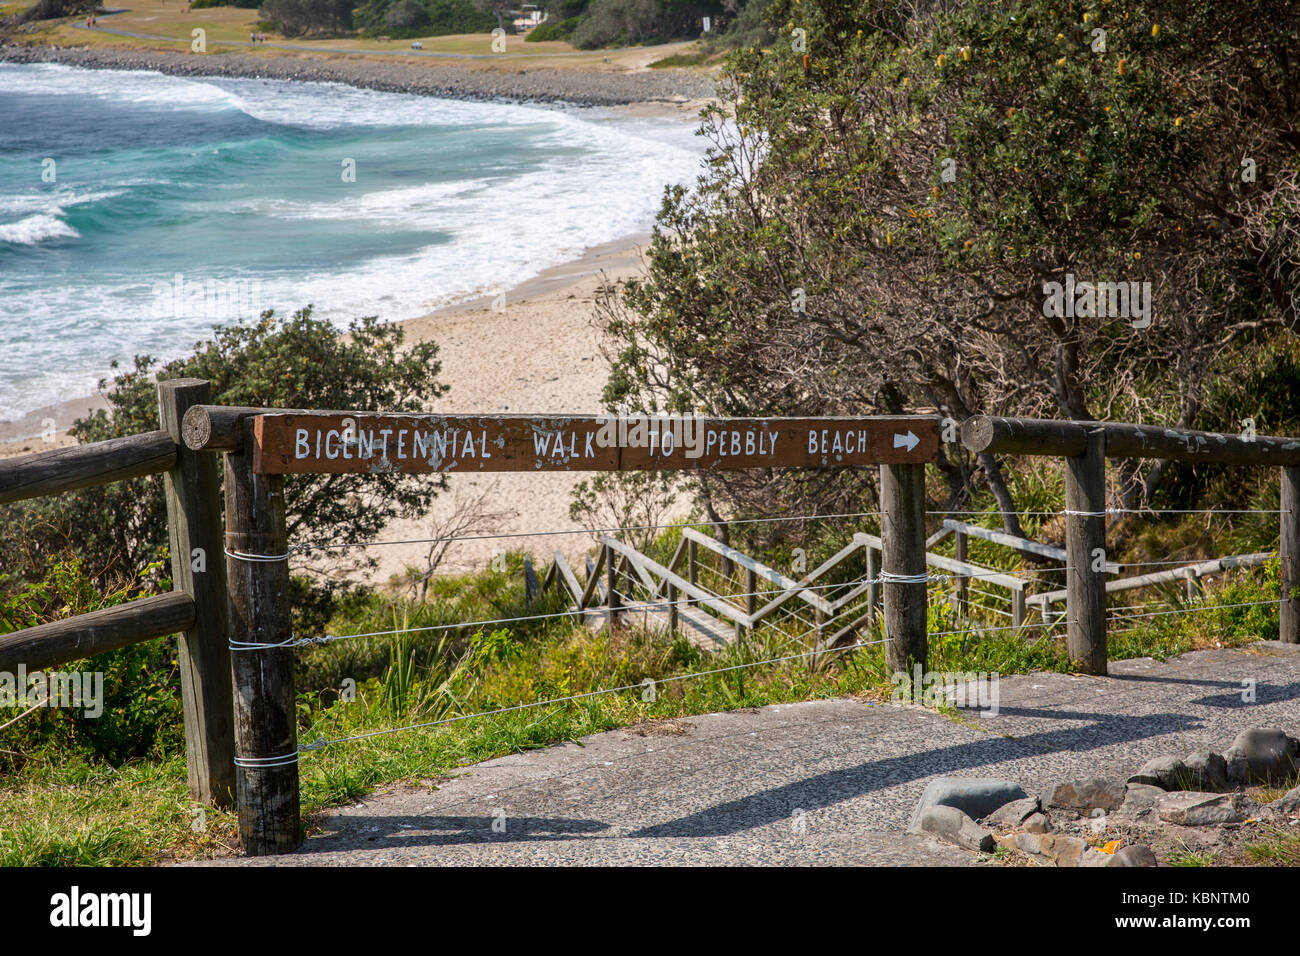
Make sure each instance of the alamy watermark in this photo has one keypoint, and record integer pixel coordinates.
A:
(69, 690)
(664, 434)
(965, 689)
(1115, 300)
(219, 299)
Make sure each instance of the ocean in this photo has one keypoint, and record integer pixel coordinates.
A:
(139, 210)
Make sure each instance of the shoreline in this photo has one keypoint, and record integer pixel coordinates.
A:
(612, 260)
(679, 91)
(538, 355)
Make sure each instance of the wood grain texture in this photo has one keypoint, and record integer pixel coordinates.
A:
(902, 534)
(265, 717)
(196, 534)
(365, 443)
(1289, 557)
(75, 638)
(1085, 534)
(81, 466)
(1067, 439)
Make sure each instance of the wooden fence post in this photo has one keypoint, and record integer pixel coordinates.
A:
(199, 569)
(1289, 556)
(1085, 573)
(902, 532)
(963, 586)
(266, 729)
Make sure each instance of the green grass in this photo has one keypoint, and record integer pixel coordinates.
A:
(681, 60)
(59, 808)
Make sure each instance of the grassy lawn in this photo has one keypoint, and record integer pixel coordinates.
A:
(226, 26)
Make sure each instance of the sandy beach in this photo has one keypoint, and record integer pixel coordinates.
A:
(538, 354)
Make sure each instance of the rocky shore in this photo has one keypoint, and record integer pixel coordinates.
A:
(524, 84)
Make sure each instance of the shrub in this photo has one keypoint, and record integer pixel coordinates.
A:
(554, 30)
(299, 362)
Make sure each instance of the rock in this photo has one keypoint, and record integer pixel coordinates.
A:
(1288, 803)
(1163, 772)
(1262, 756)
(976, 797)
(1207, 772)
(1037, 823)
(1009, 816)
(1190, 808)
(1087, 794)
(1065, 850)
(1093, 857)
(1139, 799)
(1062, 850)
(1136, 854)
(952, 826)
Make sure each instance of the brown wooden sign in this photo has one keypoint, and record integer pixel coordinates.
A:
(379, 443)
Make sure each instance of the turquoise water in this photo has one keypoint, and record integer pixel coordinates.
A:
(176, 203)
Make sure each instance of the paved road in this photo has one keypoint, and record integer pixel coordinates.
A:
(824, 782)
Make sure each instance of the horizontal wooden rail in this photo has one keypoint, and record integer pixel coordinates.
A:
(81, 466)
(762, 570)
(683, 585)
(1068, 439)
(86, 635)
(220, 427)
(1013, 541)
(956, 567)
(1200, 570)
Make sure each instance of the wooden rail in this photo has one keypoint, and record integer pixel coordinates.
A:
(1085, 446)
(195, 609)
(83, 466)
(75, 638)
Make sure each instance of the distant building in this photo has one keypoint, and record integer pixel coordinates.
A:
(527, 17)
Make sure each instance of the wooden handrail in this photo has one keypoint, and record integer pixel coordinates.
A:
(1014, 541)
(82, 466)
(1200, 570)
(749, 564)
(956, 567)
(1068, 439)
(97, 632)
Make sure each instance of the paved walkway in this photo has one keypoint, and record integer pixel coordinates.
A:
(824, 782)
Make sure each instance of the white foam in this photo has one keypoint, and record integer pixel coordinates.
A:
(36, 229)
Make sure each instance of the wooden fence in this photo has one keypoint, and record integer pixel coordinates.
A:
(233, 616)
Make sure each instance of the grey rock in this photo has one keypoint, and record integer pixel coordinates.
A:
(1093, 857)
(1190, 808)
(1207, 772)
(1289, 802)
(1139, 799)
(1262, 756)
(1011, 815)
(1164, 772)
(1037, 823)
(1060, 849)
(1087, 794)
(952, 826)
(976, 797)
(1136, 854)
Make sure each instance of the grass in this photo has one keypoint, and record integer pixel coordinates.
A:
(74, 809)
(227, 26)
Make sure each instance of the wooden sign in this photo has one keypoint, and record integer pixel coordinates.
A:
(379, 443)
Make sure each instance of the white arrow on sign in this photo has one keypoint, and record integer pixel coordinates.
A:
(908, 441)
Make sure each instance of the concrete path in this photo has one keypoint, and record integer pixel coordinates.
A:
(824, 782)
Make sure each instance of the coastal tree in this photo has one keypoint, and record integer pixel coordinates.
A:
(889, 191)
(279, 362)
